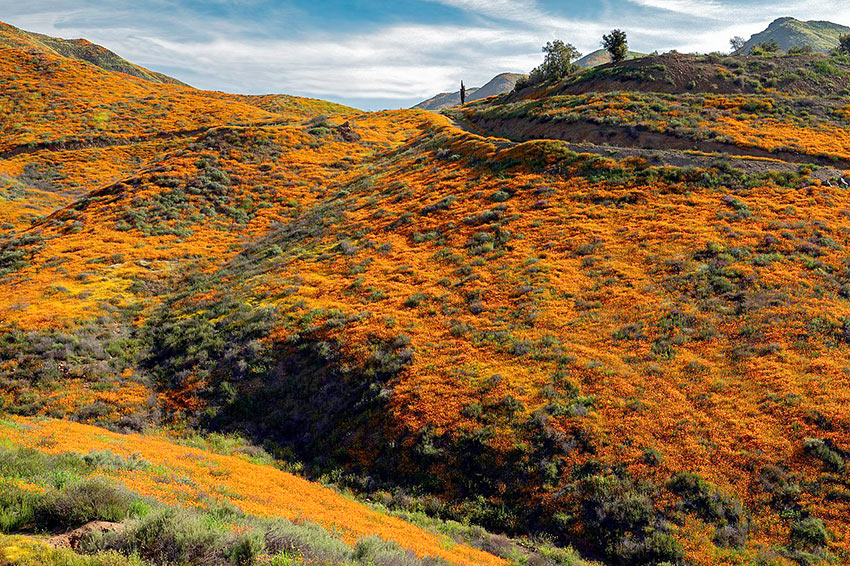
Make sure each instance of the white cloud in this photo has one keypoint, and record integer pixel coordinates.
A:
(704, 9)
(399, 62)
(515, 10)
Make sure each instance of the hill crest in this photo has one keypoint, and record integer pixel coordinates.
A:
(788, 32)
(602, 57)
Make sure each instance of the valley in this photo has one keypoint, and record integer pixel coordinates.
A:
(596, 320)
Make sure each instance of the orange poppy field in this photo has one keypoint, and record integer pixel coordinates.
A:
(604, 318)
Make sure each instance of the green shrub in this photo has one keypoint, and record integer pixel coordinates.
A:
(17, 252)
(825, 68)
(810, 533)
(24, 463)
(707, 502)
(17, 509)
(76, 504)
(415, 300)
(188, 537)
(106, 460)
(620, 518)
(170, 536)
(825, 452)
(72, 501)
(304, 539)
(374, 551)
(500, 196)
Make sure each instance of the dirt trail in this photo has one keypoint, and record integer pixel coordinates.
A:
(620, 143)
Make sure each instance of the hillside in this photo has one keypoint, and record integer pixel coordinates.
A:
(606, 316)
(142, 229)
(82, 50)
(789, 32)
(676, 74)
(158, 472)
(499, 84)
(740, 106)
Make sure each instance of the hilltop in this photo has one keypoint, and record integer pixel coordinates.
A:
(505, 83)
(602, 57)
(499, 84)
(790, 32)
(606, 315)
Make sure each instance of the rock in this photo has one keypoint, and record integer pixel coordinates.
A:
(72, 539)
(348, 133)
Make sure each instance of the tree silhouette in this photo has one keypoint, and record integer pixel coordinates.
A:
(738, 43)
(462, 93)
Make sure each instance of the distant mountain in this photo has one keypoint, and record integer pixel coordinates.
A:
(790, 32)
(601, 57)
(82, 50)
(445, 100)
(498, 85)
(506, 82)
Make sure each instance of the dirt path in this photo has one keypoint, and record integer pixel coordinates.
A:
(753, 162)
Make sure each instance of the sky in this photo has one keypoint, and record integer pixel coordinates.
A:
(375, 55)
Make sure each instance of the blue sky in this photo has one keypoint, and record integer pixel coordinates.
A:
(375, 55)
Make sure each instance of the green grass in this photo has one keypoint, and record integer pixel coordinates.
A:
(26, 551)
(153, 533)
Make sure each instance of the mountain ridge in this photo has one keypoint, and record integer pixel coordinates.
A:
(505, 82)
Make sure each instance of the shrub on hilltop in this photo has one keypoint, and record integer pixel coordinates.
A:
(557, 64)
(617, 45)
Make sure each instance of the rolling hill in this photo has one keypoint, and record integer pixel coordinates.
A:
(790, 32)
(505, 82)
(82, 50)
(605, 317)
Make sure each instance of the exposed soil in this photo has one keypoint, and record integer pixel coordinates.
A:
(676, 157)
(72, 539)
(519, 129)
